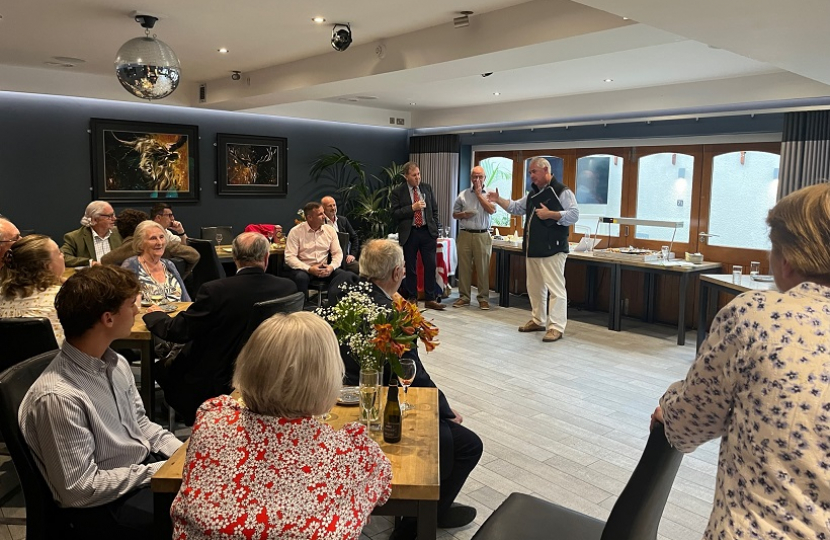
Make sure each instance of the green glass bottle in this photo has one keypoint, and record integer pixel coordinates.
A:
(392, 420)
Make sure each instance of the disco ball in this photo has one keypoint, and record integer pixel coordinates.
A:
(147, 68)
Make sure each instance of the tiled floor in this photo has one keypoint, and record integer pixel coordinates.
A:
(566, 421)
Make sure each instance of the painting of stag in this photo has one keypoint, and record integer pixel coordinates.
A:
(140, 161)
(251, 165)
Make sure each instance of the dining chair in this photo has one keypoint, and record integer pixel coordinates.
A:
(43, 520)
(207, 269)
(635, 515)
(209, 233)
(266, 309)
(24, 337)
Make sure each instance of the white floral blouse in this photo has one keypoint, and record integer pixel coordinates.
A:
(39, 304)
(761, 381)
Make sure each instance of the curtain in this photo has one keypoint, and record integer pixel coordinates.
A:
(805, 151)
(437, 156)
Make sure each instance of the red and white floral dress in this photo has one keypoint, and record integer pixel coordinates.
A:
(249, 476)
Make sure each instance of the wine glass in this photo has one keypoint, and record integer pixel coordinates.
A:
(219, 238)
(157, 295)
(408, 374)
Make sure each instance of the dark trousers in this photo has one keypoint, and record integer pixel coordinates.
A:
(128, 518)
(303, 278)
(420, 241)
(459, 452)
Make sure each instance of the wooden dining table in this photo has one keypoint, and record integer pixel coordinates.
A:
(415, 466)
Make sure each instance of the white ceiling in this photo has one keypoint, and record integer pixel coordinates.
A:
(549, 58)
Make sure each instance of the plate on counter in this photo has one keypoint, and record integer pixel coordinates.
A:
(349, 395)
(763, 278)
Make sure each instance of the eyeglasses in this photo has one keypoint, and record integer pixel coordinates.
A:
(108, 216)
(12, 240)
(167, 215)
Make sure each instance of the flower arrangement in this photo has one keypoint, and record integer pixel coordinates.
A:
(300, 217)
(376, 334)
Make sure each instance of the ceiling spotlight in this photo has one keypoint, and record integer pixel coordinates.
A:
(487, 74)
(236, 75)
(608, 80)
(342, 38)
(496, 93)
(147, 67)
(462, 20)
(412, 103)
(223, 50)
(319, 20)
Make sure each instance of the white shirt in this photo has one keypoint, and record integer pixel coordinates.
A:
(38, 304)
(102, 245)
(305, 247)
(171, 238)
(85, 424)
(570, 210)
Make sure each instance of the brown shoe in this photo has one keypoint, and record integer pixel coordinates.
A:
(461, 303)
(484, 304)
(432, 304)
(552, 335)
(531, 326)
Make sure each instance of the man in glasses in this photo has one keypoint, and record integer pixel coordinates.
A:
(8, 236)
(96, 237)
(162, 214)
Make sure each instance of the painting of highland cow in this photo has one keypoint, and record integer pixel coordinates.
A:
(140, 161)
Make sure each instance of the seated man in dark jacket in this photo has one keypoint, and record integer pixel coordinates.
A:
(214, 328)
(382, 265)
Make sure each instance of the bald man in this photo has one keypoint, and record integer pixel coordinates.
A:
(342, 225)
(8, 236)
(473, 211)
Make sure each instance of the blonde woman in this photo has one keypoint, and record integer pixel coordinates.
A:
(157, 276)
(761, 383)
(30, 279)
(268, 466)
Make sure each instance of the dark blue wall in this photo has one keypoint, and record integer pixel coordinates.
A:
(45, 178)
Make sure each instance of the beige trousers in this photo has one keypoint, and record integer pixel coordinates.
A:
(474, 248)
(547, 275)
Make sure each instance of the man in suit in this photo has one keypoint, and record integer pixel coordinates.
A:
(96, 237)
(342, 225)
(214, 328)
(382, 265)
(415, 209)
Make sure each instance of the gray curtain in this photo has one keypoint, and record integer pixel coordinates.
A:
(805, 151)
(437, 156)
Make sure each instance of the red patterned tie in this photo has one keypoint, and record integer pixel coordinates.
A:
(419, 214)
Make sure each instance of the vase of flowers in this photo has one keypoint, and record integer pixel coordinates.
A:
(376, 335)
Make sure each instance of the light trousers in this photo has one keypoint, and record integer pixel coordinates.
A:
(474, 249)
(547, 275)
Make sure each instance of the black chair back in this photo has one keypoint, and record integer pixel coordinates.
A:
(43, 521)
(24, 337)
(208, 268)
(209, 233)
(344, 246)
(264, 310)
(636, 514)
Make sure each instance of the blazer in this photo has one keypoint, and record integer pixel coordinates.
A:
(401, 204)
(132, 264)
(123, 252)
(354, 241)
(78, 247)
(214, 326)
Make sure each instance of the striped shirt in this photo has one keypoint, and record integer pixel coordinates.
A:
(85, 424)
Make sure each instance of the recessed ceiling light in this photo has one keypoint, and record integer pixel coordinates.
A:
(496, 93)
(223, 50)
(626, 19)
(608, 80)
(319, 20)
(412, 103)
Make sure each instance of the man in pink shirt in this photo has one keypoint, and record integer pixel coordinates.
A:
(312, 249)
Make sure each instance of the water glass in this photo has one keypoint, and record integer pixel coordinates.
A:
(754, 268)
(664, 251)
(737, 270)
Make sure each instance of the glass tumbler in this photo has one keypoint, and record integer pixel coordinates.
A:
(754, 268)
(737, 270)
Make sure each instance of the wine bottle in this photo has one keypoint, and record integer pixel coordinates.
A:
(392, 420)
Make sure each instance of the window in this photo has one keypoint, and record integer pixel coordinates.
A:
(744, 188)
(664, 192)
(599, 190)
(499, 173)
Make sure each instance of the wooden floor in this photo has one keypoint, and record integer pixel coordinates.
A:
(566, 421)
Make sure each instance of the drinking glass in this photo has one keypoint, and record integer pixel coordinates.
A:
(737, 270)
(219, 238)
(369, 386)
(409, 370)
(754, 268)
(664, 251)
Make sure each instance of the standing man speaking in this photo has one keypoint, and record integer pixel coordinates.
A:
(415, 210)
(549, 209)
(475, 245)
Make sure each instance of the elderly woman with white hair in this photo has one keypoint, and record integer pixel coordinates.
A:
(158, 277)
(265, 467)
(96, 237)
